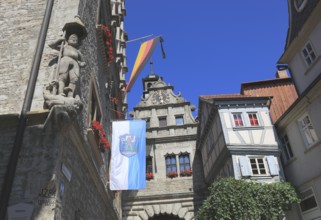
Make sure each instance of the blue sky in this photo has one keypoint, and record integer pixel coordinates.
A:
(211, 46)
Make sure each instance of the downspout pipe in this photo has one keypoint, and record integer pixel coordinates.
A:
(13, 160)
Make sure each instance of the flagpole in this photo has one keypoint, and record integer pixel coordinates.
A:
(136, 39)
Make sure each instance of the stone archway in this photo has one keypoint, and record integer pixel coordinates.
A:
(164, 217)
(171, 211)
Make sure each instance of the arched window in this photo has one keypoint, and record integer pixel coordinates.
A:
(171, 168)
(185, 165)
(149, 164)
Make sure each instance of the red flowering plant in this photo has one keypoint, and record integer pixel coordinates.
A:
(109, 47)
(171, 174)
(187, 172)
(149, 176)
(101, 135)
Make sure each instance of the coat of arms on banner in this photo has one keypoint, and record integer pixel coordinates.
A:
(128, 145)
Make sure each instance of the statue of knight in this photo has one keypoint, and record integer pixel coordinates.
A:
(65, 78)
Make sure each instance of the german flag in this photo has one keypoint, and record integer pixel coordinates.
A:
(145, 52)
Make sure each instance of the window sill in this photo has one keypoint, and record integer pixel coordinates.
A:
(185, 176)
(289, 161)
(263, 176)
(249, 128)
(312, 65)
(260, 177)
(312, 146)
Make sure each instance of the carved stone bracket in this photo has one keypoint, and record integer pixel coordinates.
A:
(61, 116)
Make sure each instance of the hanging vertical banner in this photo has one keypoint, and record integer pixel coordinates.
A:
(128, 155)
(145, 52)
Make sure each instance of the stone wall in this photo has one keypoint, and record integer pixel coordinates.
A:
(20, 22)
(46, 151)
(56, 175)
(6, 143)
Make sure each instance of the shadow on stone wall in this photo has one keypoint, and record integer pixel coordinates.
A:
(199, 187)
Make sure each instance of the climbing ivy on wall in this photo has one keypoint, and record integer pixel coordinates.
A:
(232, 199)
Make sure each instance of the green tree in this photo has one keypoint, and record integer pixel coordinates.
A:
(232, 199)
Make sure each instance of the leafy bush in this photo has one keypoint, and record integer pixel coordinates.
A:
(232, 199)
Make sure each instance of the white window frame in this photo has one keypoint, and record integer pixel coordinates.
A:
(257, 117)
(258, 167)
(309, 135)
(311, 55)
(286, 147)
(270, 162)
(243, 121)
(246, 119)
(312, 212)
(301, 5)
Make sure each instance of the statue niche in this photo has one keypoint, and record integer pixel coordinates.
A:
(65, 76)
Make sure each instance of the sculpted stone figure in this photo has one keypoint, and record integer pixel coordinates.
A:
(69, 64)
(64, 85)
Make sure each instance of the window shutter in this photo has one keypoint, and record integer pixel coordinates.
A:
(244, 165)
(273, 165)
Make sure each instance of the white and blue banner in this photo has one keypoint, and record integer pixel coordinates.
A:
(128, 155)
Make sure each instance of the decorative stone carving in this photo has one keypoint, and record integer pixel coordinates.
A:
(64, 79)
(150, 211)
(160, 97)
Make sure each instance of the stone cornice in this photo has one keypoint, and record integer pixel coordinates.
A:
(171, 127)
(179, 197)
(161, 88)
(34, 118)
(171, 139)
(163, 106)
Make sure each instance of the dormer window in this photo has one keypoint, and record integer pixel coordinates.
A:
(300, 4)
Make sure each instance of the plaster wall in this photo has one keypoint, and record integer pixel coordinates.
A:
(302, 73)
(247, 135)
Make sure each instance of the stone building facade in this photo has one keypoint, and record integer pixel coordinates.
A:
(173, 168)
(62, 168)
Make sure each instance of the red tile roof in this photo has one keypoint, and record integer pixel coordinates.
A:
(229, 96)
